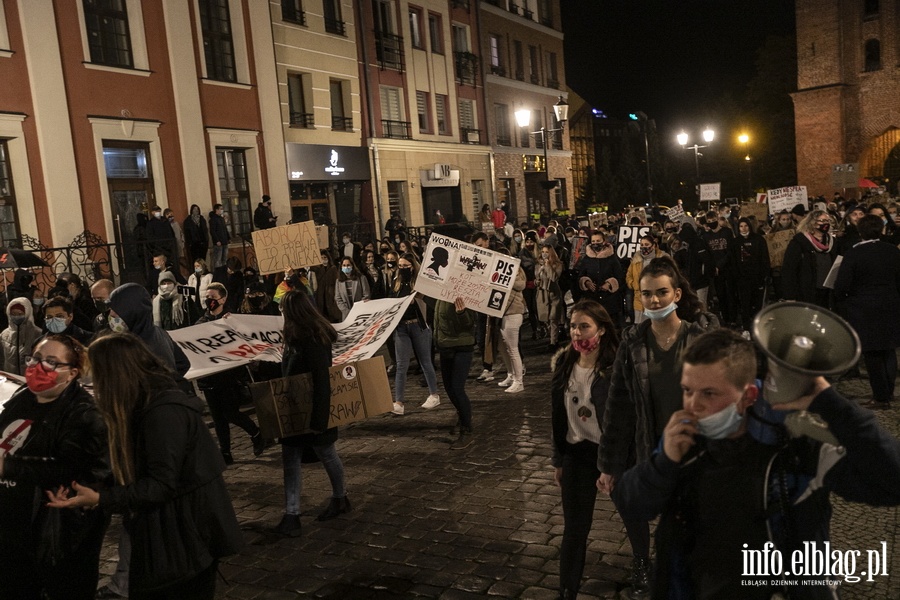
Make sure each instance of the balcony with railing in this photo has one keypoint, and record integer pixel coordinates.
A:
(304, 120)
(341, 123)
(552, 83)
(556, 142)
(513, 8)
(389, 50)
(528, 14)
(292, 14)
(466, 67)
(503, 139)
(498, 70)
(535, 78)
(469, 136)
(398, 130)
(463, 4)
(335, 26)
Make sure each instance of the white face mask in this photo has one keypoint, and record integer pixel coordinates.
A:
(117, 324)
(660, 313)
(721, 424)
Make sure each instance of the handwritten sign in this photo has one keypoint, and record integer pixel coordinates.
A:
(481, 277)
(787, 198)
(753, 209)
(359, 390)
(286, 247)
(778, 242)
(675, 214)
(629, 239)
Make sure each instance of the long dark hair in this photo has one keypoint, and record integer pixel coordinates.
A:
(126, 373)
(354, 274)
(609, 343)
(303, 320)
(689, 307)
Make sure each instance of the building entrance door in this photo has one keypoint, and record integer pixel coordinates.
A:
(129, 178)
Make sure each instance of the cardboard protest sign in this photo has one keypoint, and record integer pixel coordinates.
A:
(367, 327)
(597, 220)
(230, 342)
(481, 277)
(286, 247)
(629, 239)
(777, 243)
(787, 198)
(753, 209)
(675, 214)
(359, 390)
(322, 235)
(710, 192)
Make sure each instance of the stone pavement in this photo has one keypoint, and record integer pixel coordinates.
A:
(477, 523)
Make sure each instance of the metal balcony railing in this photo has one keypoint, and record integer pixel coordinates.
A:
(299, 119)
(552, 83)
(389, 50)
(335, 26)
(498, 70)
(513, 8)
(504, 140)
(466, 67)
(396, 129)
(341, 123)
(469, 136)
(464, 4)
(291, 13)
(535, 78)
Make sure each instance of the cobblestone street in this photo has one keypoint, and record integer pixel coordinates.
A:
(482, 522)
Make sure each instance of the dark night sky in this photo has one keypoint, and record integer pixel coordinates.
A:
(668, 58)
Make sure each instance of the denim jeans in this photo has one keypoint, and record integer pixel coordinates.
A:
(293, 485)
(455, 369)
(509, 329)
(220, 255)
(409, 337)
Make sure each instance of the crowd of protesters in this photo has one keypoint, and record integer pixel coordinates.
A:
(652, 372)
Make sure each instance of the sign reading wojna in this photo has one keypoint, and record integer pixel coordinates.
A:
(311, 162)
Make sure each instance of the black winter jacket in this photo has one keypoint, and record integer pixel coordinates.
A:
(629, 428)
(181, 514)
(559, 418)
(309, 356)
(799, 274)
(694, 554)
(218, 230)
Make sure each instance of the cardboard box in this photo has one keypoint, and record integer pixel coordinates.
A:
(359, 390)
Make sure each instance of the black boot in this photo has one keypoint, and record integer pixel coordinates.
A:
(259, 444)
(640, 578)
(226, 456)
(336, 507)
(567, 594)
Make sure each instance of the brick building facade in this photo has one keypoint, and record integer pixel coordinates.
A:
(846, 106)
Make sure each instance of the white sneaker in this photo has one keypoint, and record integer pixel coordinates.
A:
(515, 388)
(506, 382)
(484, 375)
(432, 401)
(490, 377)
(398, 408)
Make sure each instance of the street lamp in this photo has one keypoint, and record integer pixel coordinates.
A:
(708, 136)
(744, 139)
(523, 119)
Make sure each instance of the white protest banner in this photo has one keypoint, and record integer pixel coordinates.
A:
(236, 340)
(481, 277)
(787, 198)
(629, 239)
(286, 247)
(229, 342)
(710, 192)
(367, 327)
(675, 214)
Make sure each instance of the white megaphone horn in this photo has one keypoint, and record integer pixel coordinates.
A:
(801, 342)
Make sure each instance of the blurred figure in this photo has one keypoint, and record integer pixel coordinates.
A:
(218, 231)
(100, 292)
(323, 278)
(196, 235)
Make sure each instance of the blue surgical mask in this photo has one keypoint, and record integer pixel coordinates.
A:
(660, 313)
(117, 324)
(38, 301)
(346, 270)
(721, 424)
(56, 324)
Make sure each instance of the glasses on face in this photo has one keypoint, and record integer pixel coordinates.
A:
(49, 364)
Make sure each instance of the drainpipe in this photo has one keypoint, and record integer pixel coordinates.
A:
(373, 147)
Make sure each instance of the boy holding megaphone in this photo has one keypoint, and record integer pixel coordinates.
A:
(730, 500)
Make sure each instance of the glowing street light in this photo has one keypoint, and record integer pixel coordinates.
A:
(523, 119)
(744, 140)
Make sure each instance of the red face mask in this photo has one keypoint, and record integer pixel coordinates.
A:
(586, 346)
(38, 379)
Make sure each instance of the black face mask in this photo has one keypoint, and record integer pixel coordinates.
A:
(596, 247)
(405, 275)
(101, 305)
(213, 304)
(385, 250)
(391, 264)
(256, 302)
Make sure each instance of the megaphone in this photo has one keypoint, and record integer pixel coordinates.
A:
(803, 341)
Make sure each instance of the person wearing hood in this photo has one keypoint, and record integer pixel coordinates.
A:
(171, 310)
(600, 277)
(695, 260)
(59, 320)
(808, 259)
(196, 235)
(647, 251)
(19, 337)
(262, 216)
(222, 390)
(750, 257)
(131, 310)
(22, 285)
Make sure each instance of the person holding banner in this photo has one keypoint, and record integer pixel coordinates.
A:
(453, 332)
(412, 336)
(308, 338)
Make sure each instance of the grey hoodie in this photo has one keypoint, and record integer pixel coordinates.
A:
(17, 340)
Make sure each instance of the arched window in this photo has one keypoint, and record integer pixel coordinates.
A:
(873, 55)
